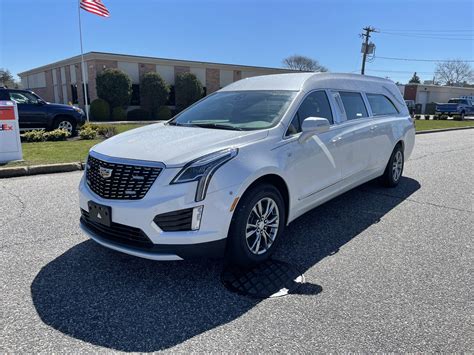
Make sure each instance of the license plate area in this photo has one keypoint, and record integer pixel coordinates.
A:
(100, 214)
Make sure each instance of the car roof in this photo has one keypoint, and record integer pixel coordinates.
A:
(309, 81)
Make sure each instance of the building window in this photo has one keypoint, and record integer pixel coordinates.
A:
(74, 94)
(135, 99)
(171, 98)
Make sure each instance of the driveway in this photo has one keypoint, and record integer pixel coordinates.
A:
(385, 270)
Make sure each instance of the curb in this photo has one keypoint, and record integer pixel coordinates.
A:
(444, 130)
(40, 169)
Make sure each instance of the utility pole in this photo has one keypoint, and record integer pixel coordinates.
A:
(367, 30)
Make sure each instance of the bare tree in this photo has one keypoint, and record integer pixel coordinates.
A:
(7, 79)
(454, 72)
(302, 63)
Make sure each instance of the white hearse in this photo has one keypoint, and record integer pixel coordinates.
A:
(225, 176)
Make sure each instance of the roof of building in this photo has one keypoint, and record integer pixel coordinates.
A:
(146, 59)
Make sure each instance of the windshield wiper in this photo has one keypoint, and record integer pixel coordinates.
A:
(214, 125)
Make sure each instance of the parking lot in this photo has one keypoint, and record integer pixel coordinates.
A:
(385, 270)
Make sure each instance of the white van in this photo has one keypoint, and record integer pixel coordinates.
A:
(225, 176)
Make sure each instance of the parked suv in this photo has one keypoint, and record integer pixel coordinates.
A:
(34, 112)
(225, 176)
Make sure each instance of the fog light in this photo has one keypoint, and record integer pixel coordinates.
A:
(197, 215)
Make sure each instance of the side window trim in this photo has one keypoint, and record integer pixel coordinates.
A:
(331, 106)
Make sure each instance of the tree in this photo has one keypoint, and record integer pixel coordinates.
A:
(154, 92)
(115, 87)
(7, 79)
(454, 72)
(415, 79)
(302, 63)
(188, 90)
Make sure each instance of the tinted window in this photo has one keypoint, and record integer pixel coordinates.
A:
(353, 105)
(316, 104)
(23, 97)
(294, 127)
(381, 105)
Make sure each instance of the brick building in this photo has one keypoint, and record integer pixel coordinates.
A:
(61, 81)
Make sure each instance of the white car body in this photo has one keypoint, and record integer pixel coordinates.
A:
(349, 153)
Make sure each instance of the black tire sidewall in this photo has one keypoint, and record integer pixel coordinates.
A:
(237, 249)
(388, 176)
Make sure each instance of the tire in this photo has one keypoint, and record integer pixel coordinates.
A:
(65, 123)
(463, 114)
(243, 247)
(394, 169)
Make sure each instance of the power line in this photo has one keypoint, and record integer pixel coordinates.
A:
(429, 31)
(421, 60)
(399, 71)
(424, 36)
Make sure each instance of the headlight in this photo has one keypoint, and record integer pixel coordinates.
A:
(202, 169)
(77, 109)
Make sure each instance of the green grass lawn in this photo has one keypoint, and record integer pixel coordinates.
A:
(60, 152)
(423, 125)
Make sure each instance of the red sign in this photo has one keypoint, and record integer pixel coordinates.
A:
(7, 113)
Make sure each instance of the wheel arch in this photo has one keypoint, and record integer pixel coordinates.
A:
(277, 181)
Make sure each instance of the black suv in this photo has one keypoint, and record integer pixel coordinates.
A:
(34, 112)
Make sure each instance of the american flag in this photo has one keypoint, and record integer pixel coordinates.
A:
(95, 7)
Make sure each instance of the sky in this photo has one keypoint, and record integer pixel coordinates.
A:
(250, 32)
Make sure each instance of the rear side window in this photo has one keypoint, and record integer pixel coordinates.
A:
(381, 105)
(353, 105)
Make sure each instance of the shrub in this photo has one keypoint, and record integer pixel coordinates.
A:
(119, 114)
(105, 130)
(87, 133)
(427, 117)
(417, 117)
(188, 90)
(100, 110)
(138, 114)
(164, 113)
(154, 92)
(33, 136)
(115, 87)
(57, 135)
(43, 136)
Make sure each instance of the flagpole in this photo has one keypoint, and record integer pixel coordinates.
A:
(82, 63)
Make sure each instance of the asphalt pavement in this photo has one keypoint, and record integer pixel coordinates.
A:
(385, 270)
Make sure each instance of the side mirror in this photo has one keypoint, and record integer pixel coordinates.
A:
(312, 126)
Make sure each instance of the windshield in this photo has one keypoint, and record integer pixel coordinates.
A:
(237, 110)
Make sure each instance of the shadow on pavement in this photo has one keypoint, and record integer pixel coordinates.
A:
(130, 304)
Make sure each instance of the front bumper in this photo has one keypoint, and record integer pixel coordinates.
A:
(208, 241)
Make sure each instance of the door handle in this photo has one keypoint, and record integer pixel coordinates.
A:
(373, 128)
(336, 139)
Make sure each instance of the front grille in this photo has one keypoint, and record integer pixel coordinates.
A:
(125, 182)
(118, 233)
(175, 221)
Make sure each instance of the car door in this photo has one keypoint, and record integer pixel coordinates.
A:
(384, 114)
(31, 111)
(312, 165)
(354, 134)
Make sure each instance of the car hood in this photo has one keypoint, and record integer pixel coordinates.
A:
(173, 145)
(59, 106)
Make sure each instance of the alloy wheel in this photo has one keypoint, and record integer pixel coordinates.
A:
(66, 125)
(262, 226)
(397, 165)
